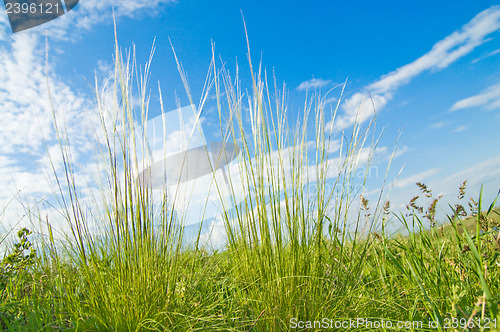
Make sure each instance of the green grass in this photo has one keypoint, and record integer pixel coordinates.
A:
(290, 256)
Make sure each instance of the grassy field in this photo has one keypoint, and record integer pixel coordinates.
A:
(293, 261)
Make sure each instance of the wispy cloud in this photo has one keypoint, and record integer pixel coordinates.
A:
(92, 12)
(445, 52)
(438, 125)
(411, 180)
(361, 106)
(492, 53)
(314, 83)
(88, 14)
(489, 99)
(486, 172)
(459, 129)
(330, 100)
(24, 103)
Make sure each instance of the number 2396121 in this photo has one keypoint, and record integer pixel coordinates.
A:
(32, 8)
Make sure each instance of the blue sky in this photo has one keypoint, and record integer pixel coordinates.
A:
(432, 69)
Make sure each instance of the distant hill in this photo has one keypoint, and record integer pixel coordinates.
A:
(470, 223)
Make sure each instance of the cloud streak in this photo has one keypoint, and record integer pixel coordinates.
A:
(314, 83)
(490, 54)
(489, 99)
(360, 106)
(411, 180)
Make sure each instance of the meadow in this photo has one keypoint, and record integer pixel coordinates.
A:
(294, 260)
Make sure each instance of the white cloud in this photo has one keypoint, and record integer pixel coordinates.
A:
(91, 12)
(489, 98)
(330, 100)
(419, 177)
(5, 161)
(486, 172)
(105, 70)
(445, 52)
(459, 129)
(314, 83)
(442, 54)
(438, 125)
(359, 108)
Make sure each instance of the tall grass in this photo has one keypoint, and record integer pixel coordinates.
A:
(292, 253)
